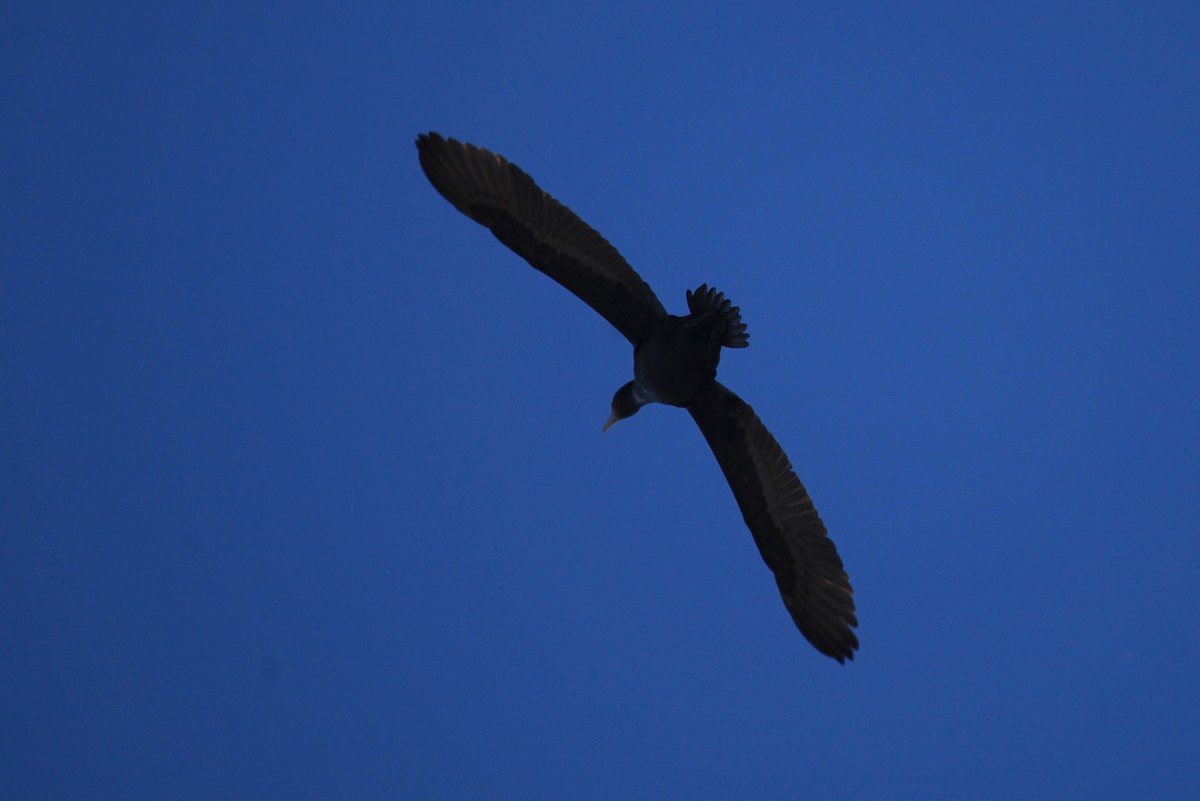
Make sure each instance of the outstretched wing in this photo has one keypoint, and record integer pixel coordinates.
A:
(544, 232)
(790, 535)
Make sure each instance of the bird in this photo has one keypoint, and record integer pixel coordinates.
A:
(675, 362)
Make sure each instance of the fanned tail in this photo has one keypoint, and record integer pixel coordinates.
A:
(707, 299)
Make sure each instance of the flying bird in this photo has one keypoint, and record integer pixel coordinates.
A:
(674, 362)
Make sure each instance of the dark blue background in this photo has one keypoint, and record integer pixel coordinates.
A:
(304, 492)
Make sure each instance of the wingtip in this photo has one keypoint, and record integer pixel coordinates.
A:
(840, 646)
(425, 140)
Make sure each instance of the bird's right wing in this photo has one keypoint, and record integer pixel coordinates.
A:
(499, 195)
(790, 535)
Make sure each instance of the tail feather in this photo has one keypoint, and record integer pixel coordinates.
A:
(707, 299)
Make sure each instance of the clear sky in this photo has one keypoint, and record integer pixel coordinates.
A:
(304, 492)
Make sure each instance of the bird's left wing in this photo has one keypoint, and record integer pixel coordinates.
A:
(786, 527)
(499, 195)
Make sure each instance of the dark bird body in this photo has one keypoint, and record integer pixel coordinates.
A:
(675, 363)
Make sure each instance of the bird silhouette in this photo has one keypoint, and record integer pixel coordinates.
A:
(674, 362)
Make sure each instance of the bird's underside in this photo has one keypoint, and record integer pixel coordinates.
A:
(777, 509)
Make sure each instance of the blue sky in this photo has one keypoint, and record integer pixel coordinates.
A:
(304, 493)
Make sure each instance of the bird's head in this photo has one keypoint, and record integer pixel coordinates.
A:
(625, 403)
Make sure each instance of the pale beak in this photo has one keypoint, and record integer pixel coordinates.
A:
(612, 421)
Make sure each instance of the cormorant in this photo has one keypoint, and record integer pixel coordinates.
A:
(674, 362)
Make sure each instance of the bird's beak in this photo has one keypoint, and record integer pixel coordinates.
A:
(612, 421)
